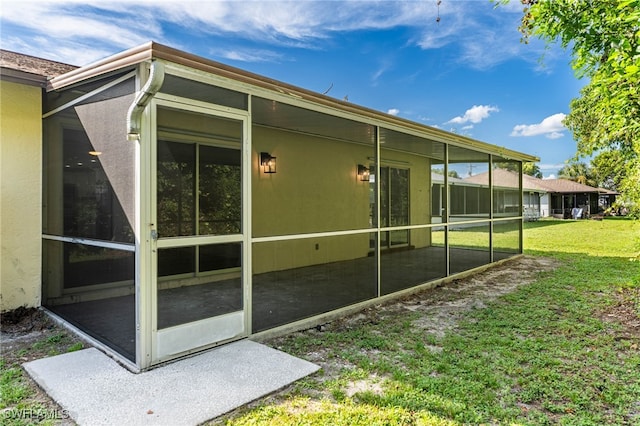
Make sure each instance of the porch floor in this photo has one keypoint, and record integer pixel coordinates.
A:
(95, 390)
(279, 297)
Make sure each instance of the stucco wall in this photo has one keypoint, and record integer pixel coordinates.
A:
(316, 190)
(20, 195)
(545, 210)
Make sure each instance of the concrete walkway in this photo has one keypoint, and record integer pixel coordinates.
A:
(98, 391)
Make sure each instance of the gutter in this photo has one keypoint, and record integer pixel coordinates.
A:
(22, 77)
(134, 115)
(152, 50)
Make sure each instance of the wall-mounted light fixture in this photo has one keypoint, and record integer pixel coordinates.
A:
(267, 162)
(363, 173)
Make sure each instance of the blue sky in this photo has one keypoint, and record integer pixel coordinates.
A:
(468, 73)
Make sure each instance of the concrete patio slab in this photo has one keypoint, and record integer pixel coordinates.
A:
(96, 390)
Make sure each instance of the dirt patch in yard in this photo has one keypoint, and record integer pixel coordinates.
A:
(440, 308)
(625, 311)
(28, 334)
(443, 308)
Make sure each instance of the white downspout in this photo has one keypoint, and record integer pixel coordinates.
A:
(143, 229)
(134, 115)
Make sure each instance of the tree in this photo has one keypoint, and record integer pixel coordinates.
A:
(528, 168)
(578, 172)
(508, 165)
(452, 173)
(604, 39)
(608, 169)
(531, 169)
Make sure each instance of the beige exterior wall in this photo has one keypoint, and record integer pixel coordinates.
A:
(20, 195)
(316, 190)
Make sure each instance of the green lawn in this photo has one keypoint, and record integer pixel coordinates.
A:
(20, 402)
(556, 351)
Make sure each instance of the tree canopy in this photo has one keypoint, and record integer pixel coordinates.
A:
(532, 169)
(608, 169)
(578, 172)
(604, 39)
(528, 168)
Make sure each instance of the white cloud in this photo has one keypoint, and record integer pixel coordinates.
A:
(469, 127)
(549, 170)
(73, 53)
(385, 65)
(475, 114)
(247, 55)
(77, 32)
(551, 127)
(393, 111)
(482, 36)
(62, 21)
(119, 24)
(555, 135)
(550, 166)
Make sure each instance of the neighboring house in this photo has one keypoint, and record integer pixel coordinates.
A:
(459, 189)
(506, 184)
(546, 197)
(162, 203)
(565, 195)
(606, 198)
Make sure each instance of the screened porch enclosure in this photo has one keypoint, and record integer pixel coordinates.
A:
(89, 212)
(187, 237)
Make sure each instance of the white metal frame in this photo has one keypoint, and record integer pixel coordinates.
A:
(156, 345)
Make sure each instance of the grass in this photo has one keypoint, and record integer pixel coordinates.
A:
(12, 388)
(556, 351)
(20, 403)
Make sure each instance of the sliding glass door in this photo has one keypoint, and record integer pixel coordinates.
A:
(394, 206)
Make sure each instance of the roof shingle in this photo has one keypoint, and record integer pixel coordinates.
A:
(508, 179)
(32, 69)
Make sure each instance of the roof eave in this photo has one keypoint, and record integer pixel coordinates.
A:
(22, 77)
(121, 60)
(152, 50)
